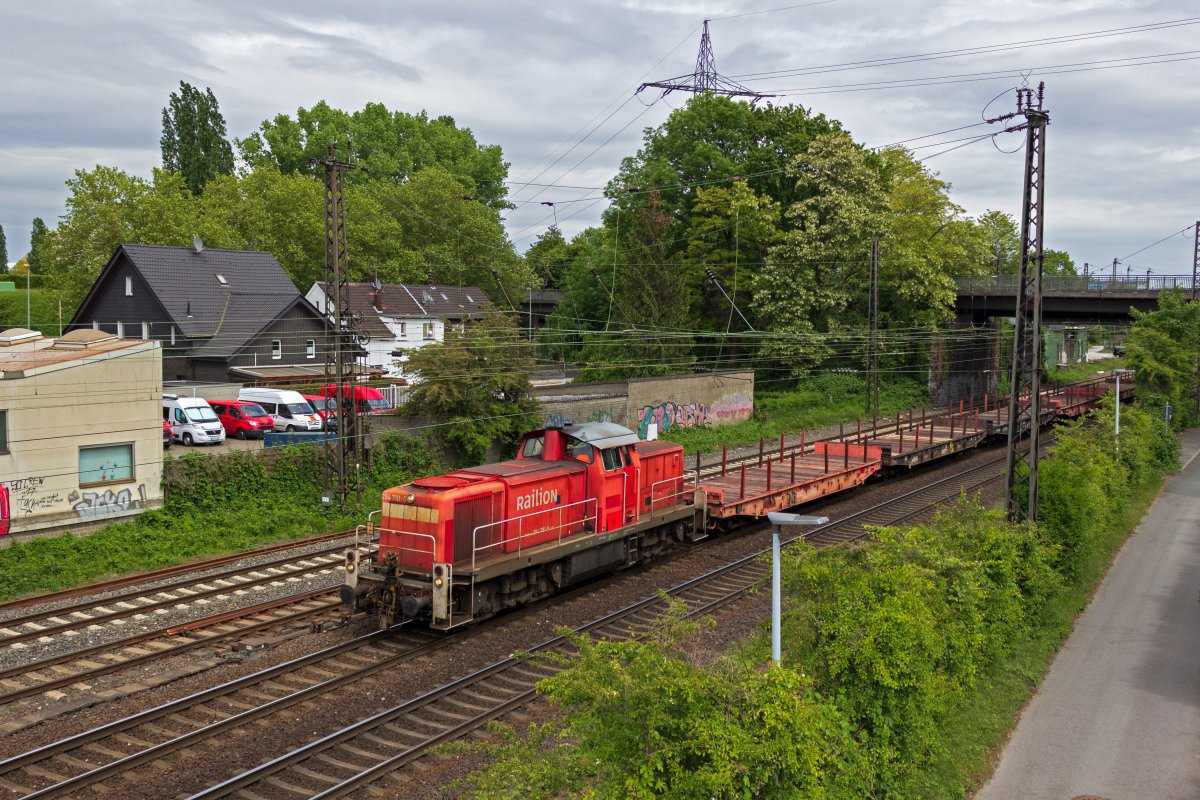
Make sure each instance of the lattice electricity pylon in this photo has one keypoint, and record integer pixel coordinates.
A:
(1023, 403)
(1196, 262)
(344, 339)
(705, 80)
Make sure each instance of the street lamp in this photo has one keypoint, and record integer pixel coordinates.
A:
(1117, 423)
(779, 520)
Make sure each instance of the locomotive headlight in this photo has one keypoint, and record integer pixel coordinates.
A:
(410, 498)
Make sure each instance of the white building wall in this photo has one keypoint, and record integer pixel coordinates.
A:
(109, 398)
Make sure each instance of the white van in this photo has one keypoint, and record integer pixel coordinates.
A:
(192, 420)
(288, 410)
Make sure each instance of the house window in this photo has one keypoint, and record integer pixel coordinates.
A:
(3, 430)
(427, 330)
(276, 348)
(145, 330)
(402, 333)
(120, 330)
(108, 463)
(128, 286)
(310, 348)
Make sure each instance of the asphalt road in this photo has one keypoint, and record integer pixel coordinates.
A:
(1118, 716)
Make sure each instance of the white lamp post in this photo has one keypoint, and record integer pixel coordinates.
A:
(779, 520)
(1117, 423)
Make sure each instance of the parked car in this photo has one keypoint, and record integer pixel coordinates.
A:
(326, 408)
(368, 399)
(168, 436)
(242, 419)
(288, 409)
(192, 420)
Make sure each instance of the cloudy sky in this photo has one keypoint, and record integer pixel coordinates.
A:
(552, 84)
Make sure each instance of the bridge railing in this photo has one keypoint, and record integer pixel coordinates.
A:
(1076, 284)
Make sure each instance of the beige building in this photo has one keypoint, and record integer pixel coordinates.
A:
(80, 427)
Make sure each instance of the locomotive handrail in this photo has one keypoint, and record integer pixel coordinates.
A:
(432, 552)
(476, 549)
(680, 492)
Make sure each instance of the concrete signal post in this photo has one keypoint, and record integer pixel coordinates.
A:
(780, 520)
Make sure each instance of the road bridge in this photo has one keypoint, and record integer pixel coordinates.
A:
(967, 363)
(1084, 299)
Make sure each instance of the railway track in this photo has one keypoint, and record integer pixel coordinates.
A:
(112, 758)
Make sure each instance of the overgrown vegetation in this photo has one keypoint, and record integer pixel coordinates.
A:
(890, 647)
(214, 505)
(478, 381)
(815, 402)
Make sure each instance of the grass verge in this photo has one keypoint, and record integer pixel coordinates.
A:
(977, 729)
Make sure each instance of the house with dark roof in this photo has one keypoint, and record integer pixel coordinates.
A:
(403, 317)
(221, 315)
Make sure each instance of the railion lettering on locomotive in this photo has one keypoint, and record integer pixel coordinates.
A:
(537, 497)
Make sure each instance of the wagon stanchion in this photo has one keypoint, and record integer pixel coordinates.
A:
(760, 451)
(742, 489)
(931, 424)
(781, 447)
(768, 476)
(845, 456)
(802, 444)
(697, 466)
(793, 467)
(724, 458)
(827, 458)
(901, 448)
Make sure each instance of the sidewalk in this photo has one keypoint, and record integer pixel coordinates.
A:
(1118, 716)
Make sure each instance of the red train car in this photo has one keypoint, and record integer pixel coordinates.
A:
(577, 501)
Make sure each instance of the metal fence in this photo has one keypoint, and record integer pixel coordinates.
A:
(1076, 284)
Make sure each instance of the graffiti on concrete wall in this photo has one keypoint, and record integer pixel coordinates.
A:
(556, 419)
(733, 408)
(91, 506)
(674, 415)
(27, 498)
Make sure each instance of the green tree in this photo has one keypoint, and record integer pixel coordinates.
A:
(548, 257)
(3, 249)
(1001, 240)
(392, 145)
(37, 244)
(733, 229)
(813, 276)
(1164, 347)
(477, 381)
(193, 137)
(1057, 262)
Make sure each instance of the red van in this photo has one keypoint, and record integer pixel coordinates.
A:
(368, 399)
(242, 419)
(326, 408)
(168, 434)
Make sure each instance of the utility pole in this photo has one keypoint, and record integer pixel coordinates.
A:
(873, 333)
(1196, 261)
(341, 360)
(1021, 480)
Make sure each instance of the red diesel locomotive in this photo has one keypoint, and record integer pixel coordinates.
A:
(577, 501)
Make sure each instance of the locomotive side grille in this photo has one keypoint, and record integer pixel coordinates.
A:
(468, 516)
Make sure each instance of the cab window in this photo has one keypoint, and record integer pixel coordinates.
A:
(581, 451)
(612, 458)
(533, 447)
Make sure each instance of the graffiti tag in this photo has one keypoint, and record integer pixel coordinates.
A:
(98, 505)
